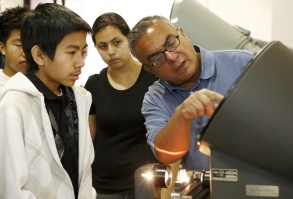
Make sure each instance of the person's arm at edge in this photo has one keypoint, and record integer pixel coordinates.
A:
(92, 126)
(14, 171)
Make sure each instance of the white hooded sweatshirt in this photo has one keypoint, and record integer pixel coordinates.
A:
(30, 166)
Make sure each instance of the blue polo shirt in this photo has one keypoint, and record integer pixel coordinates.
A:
(219, 71)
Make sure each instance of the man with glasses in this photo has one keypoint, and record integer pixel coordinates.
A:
(192, 81)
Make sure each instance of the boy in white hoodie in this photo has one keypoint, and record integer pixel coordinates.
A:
(45, 145)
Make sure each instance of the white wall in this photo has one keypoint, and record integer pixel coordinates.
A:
(9, 3)
(254, 15)
(266, 19)
(282, 27)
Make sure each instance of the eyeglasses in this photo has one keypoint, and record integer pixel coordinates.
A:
(159, 58)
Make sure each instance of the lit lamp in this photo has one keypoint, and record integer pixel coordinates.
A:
(150, 179)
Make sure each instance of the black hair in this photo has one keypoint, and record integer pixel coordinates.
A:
(110, 18)
(11, 19)
(2, 61)
(46, 26)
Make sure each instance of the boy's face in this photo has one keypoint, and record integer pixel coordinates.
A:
(14, 56)
(67, 63)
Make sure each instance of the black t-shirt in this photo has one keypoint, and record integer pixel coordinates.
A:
(120, 142)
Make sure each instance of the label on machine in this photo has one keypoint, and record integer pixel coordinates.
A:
(230, 175)
(262, 190)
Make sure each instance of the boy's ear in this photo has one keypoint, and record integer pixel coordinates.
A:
(2, 48)
(37, 55)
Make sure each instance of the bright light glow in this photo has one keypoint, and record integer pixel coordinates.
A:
(148, 175)
(165, 151)
(182, 176)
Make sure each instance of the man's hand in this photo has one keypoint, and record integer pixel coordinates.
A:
(200, 103)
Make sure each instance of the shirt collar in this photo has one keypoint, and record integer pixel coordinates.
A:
(40, 85)
(207, 64)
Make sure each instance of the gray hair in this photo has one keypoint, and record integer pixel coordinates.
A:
(140, 28)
